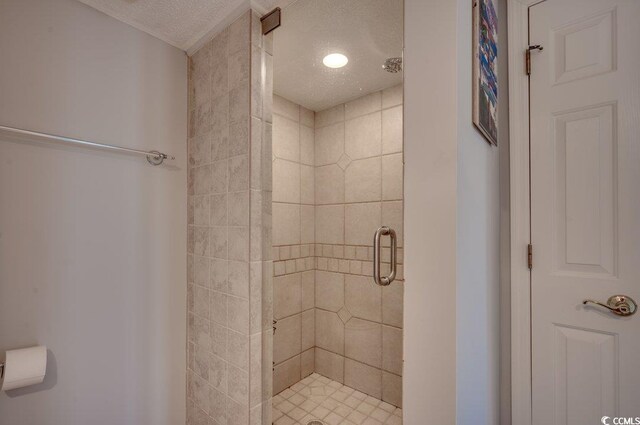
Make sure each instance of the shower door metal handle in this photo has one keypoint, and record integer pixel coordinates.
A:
(384, 280)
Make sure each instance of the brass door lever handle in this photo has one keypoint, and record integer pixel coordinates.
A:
(621, 305)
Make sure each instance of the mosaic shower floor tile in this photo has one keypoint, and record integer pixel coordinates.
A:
(319, 398)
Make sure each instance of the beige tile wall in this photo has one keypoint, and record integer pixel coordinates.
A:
(293, 242)
(229, 228)
(357, 187)
(359, 173)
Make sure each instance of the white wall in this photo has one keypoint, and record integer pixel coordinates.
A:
(92, 244)
(478, 212)
(452, 212)
(505, 222)
(429, 379)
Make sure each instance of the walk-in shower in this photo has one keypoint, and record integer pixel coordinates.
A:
(338, 213)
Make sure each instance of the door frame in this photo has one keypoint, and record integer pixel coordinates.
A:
(520, 210)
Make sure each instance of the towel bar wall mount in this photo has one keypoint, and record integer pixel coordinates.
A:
(153, 157)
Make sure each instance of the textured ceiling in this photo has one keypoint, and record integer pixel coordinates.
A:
(181, 23)
(366, 31)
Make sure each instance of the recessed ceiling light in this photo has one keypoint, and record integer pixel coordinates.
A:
(335, 60)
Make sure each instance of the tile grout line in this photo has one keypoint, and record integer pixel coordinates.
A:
(344, 235)
(382, 224)
(301, 225)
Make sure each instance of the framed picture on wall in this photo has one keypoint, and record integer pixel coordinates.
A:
(485, 69)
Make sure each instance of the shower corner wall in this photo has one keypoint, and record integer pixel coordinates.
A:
(261, 277)
(229, 335)
(293, 243)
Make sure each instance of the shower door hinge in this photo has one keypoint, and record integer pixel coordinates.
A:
(530, 256)
(271, 21)
(527, 56)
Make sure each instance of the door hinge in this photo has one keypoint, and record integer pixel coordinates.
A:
(527, 56)
(271, 21)
(530, 256)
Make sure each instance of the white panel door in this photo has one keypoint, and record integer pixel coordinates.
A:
(585, 209)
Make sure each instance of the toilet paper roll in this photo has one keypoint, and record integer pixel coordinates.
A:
(26, 366)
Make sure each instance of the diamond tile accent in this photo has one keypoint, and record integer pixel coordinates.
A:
(344, 315)
(317, 397)
(344, 161)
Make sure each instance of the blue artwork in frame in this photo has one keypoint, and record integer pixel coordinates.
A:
(485, 69)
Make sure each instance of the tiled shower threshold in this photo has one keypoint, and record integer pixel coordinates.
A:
(319, 398)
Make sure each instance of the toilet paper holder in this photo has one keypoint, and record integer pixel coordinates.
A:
(23, 367)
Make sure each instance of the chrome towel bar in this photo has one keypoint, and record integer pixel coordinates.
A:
(153, 157)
